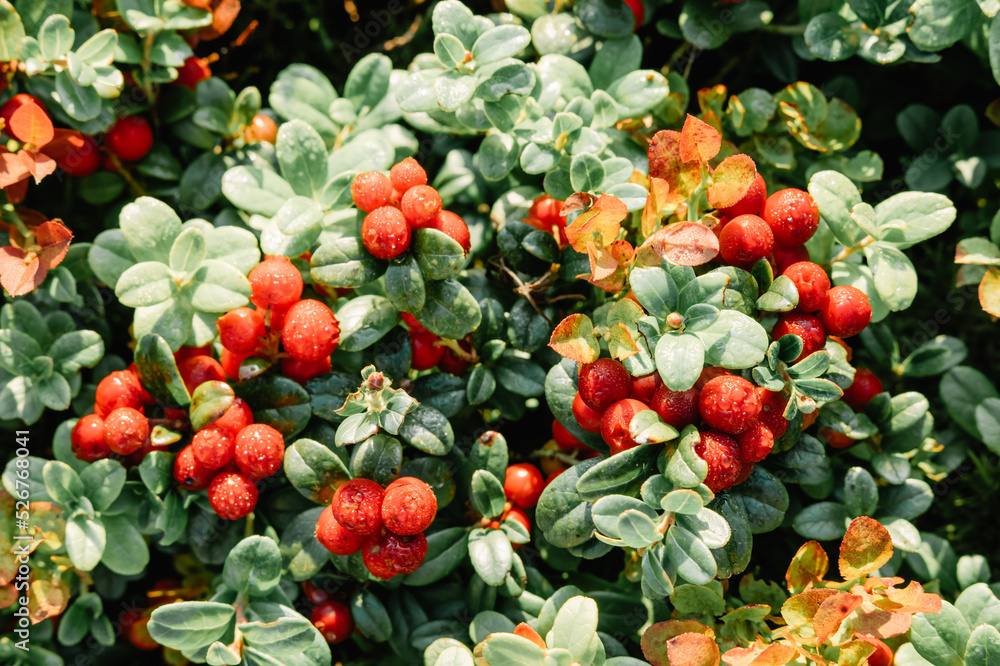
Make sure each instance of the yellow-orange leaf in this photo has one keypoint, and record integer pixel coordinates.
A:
(607, 265)
(777, 654)
(31, 125)
(621, 344)
(801, 608)
(16, 276)
(832, 612)
(854, 653)
(12, 169)
(808, 567)
(866, 546)
(731, 180)
(699, 140)
(989, 292)
(684, 244)
(573, 338)
(600, 224)
(47, 599)
(39, 165)
(525, 631)
(680, 643)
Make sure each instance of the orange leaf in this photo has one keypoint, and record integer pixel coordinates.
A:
(64, 142)
(525, 631)
(573, 338)
(657, 202)
(832, 612)
(8, 595)
(607, 265)
(16, 276)
(600, 224)
(47, 599)
(38, 165)
(855, 652)
(680, 643)
(881, 624)
(776, 654)
(808, 567)
(12, 169)
(731, 180)
(31, 125)
(684, 244)
(16, 191)
(711, 99)
(53, 237)
(699, 140)
(866, 546)
(224, 13)
(989, 292)
(801, 608)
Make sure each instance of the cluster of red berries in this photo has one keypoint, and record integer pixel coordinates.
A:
(397, 205)
(545, 215)
(386, 525)
(333, 619)
(118, 426)
(306, 329)
(427, 351)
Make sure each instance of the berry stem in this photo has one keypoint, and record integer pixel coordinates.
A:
(248, 527)
(848, 251)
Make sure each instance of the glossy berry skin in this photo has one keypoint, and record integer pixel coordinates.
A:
(847, 311)
(746, 468)
(125, 430)
(130, 138)
(310, 332)
(564, 438)
(371, 190)
(745, 240)
(729, 403)
(812, 283)
(412, 322)
(189, 472)
(408, 507)
(420, 206)
(87, 439)
(191, 72)
(357, 505)
(807, 327)
(275, 282)
(882, 656)
(782, 257)
(553, 476)
(120, 388)
(722, 454)
(615, 424)
(424, 354)
(212, 447)
(645, 387)
(335, 537)
(523, 485)
(866, 385)
(710, 373)
(386, 554)
(752, 202)
(604, 382)
(303, 371)
(334, 621)
(385, 233)
(231, 362)
(259, 451)
(639, 10)
(407, 174)
(772, 409)
(676, 408)
(237, 417)
(755, 442)
(454, 227)
(792, 215)
(80, 161)
(240, 330)
(835, 438)
(232, 495)
(197, 370)
(15, 103)
(262, 129)
(588, 418)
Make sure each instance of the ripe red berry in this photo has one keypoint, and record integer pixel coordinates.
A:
(751, 203)
(191, 72)
(866, 385)
(408, 506)
(189, 472)
(230, 363)
(385, 233)
(386, 554)
(772, 409)
(303, 371)
(452, 363)
(420, 206)
(835, 438)
(812, 283)
(882, 656)
(197, 370)
(424, 354)
(523, 485)
(755, 442)
(710, 373)
(335, 537)
(87, 439)
(240, 330)
(847, 311)
(125, 430)
(807, 327)
(518, 514)
(79, 160)
(604, 382)
(262, 129)
(454, 227)
(722, 454)
(186, 352)
(371, 190)
(232, 495)
(15, 103)
(792, 215)
(275, 282)
(357, 505)
(130, 138)
(729, 403)
(259, 451)
(746, 468)
(615, 424)
(588, 418)
(212, 447)
(554, 475)
(407, 174)
(120, 388)
(782, 257)
(564, 438)
(645, 387)
(745, 240)
(412, 322)
(334, 621)
(676, 408)
(310, 331)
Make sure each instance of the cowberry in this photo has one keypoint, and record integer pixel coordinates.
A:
(639, 10)
(87, 439)
(212, 447)
(518, 514)
(138, 635)
(186, 352)
(357, 505)
(454, 364)
(523, 485)
(454, 227)
(125, 430)
(408, 506)
(746, 468)
(615, 424)
(386, 554)
(412, 322)
(564, 438)
(230, 363)
(882, 656)
(189, 472)
(847, 311)
(866, 385)
(676, 408)
(130, 138)
(232, 495)
(120, 388)
(371, 190)
(710, 373)
(722, 454)
(333, 620)
(835, 438)
(751, 203)
(806, 326)
(262, 129)
(407, 174)
(645, 387)
(553, 476)
(424, 354)
(191, 72)
(80, 160)
(755, 442)
(240, 330)
(197, 370)
(729, 403)
(310, 331)
(335, 537)
(792, 215)
(588, 418)
(15, 103)
(604, 382)
(782, 257)
(313, 594)
(812, 283)
(303, 371)
(745, 240)
(275, 282)
(772, 409)
(259, 451)
(420, 206)
(385, 233)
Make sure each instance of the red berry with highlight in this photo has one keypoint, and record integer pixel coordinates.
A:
(564, 438)
(303, 371)
(835, 438)
(729, 403)
(782, 257)
(197, 370)
(518, 514)
(645, 387)
(745, 240)
(125, 430)
(710, 373)
(420, 206)
(424, 354)
(334, 621)
(240, 330)
(407, 174)
(676, 408)
(87, 439)
(752, 202)
(371, 190)
(807, 327)
(231, 362)
(191, 72)
(310, 332)
(772, 409)
(275, 282)
(847, 311)
(130, 138)
(454, 227)
(259, 451)
(604, 382)
(79, 160)
(335, 537)
(792, 215)
(232, 495)
(262, 129)
(357, 505)
(812, 283)
(189, 472)
(408, 506)
(452, 363)
(588, 418)
(212, 447)
(523, 485)
(385, 233)
(722, 454)
(120, 388)
(866, 385)
(755, 442)
(386, 554)
(615, 424)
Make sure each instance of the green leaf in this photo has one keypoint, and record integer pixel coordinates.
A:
(497, 155)
(428, 430)
(910, 217)
(637, 92)
(510, 649)
(85, 542)
(608, 508)
(831, 37)
(190, 625)
(438, 255)
(450, 50)
(690, 556)
(561, 513)
(941, 638)
(253, 566)
(364, 320)
(450, 311)
(157, 370)
(276, 401)
(500, 42)
(734, 341)
(575, 627)
(302, 157)
(370, 616)
(487, 494)
(299, 215)
(836, 196)
(404, 284)
(102, 482)
(314, 470)
(621, 473)
(368, 81)
(636, 529)
(764, 500)
(679, 360)
(707, 525)
(781, 296)
(560, 390)
(491, 555)
(128, 554)
(344, 263)
(377, 458)
(938, 24)
(446, 549)
(894, 274)
(655, 290)
(983, 646)
(63, 484)
(962, 389)
(586, 172)
(823, 521)
(256, 191)
(519, 375)
(686, 468)
(187, 251)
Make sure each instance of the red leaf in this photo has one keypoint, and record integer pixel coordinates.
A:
(16, 276)
(54, 240)
(699, 140)
(31, 125)
(731, 180)
(12, 169)
(224, 13)
(684, 244)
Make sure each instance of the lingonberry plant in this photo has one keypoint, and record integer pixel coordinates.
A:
(467, 332)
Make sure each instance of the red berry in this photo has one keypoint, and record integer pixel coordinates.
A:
(259, 451)
(230, 363)
(212, 447)
(866, 385)
(120, 388)
(615, 424)
(303, 371)
(847, 311)
(518, 514)
(882, 656)
(772, 409)
(189, 472)
(729, 403)
(755, 442)
(130, 138)
(564, 438)
(547, 209)
(452, 363)
(87, 439)
(81, 160)
(197, 370)
(335, 537)
(387, 554)
(408, 506)
(807, 327)
(782, 257)
(604, 382)
(232, 495)
(677, 408)
(835, 438)
(334, 621)
(262, 129)
(385, 233)
(138, 635)
(523, 485)
(420, 205)
(184, 353)
(275, 282)
(751, 203)
(554, 475)
(412, 322)
(745, 240)
(313, 594)
(589, 419)
(722, 454)
(371, 190)
(191, 72)
(710, 373)
(792, 215)
(240, 330)
(454, 227)
(310, 332)
(645, 387)
(745, 470)
(639, 10)
(357, 505)
(15, 103)
(125, 430)
(407, 174)
(237, 417)
(812, 283)
(424, 354)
